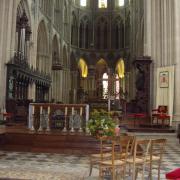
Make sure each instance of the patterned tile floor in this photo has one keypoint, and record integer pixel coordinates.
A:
(41, 166)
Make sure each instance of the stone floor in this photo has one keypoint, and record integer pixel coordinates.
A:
(41, 166)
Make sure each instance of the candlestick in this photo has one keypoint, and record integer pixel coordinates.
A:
(66, 111)
(72, 110)
(41, 110)
(48, 109)
(81, 111)
(33, 109)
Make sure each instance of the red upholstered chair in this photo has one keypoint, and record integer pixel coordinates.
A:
(174, 175)
(160, 116)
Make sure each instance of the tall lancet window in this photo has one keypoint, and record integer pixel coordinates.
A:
(121, 3)
(83, 3)
(102, 4)
(105, 85)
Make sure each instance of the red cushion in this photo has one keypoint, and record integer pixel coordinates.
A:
(175, 174)
(163, 116)
(140, 115)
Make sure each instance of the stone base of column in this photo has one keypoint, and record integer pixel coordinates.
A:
(176, 121)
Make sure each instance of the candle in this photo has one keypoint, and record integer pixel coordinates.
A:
(65, 111)
(72, 110)
(48, 109)
(81, 111)
(33, 108)
(117, 130)
(41, 110)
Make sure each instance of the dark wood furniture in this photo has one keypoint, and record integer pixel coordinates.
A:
(142, 84)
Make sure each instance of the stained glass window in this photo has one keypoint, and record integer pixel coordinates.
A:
(102, 4)
(83, 2)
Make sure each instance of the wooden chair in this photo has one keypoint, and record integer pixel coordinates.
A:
(138, 161)
(105, 150)
(156, 153)
(117, 163)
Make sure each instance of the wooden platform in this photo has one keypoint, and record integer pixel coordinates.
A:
(151, 129)
(21, 139)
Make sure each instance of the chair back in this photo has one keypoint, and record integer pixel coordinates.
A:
(127, 145)
(105, 146)
(157, 148)
(162, 109)
(141, 150)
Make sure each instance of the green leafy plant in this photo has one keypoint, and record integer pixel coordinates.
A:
(101, 123)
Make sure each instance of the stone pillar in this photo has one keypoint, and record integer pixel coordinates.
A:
(177, 58)
(31, 91)
(7, 38)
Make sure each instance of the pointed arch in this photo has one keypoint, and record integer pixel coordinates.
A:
(84, 29)
(42, 62)
(120, 68)
(101, 67)
(101, 33)
(74, 30)
(55, 50)
(82, 65)
(118, 35)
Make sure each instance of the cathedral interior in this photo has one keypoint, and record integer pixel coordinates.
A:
(116, 55)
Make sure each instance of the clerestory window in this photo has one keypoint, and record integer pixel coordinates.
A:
(121, 2)
(83, 3)
(102, 4)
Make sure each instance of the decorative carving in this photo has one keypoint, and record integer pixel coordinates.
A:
(142, 66)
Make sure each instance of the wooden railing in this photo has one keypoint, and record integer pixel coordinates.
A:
(62, 117)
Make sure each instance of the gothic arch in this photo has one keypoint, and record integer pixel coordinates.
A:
(101, 33)
(101, 67)
(83, 67)
(118, 33)
(55, 50)
(84, 32)
(74, 30)
(42, 62)
(24, 7)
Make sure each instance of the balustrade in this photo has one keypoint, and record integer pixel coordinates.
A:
(62, 117)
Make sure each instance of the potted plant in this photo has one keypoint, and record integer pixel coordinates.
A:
(101, 123)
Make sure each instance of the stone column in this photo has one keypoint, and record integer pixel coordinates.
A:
(7, 38)
(177, 58)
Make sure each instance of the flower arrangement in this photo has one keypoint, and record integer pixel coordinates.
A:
(101, 123)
